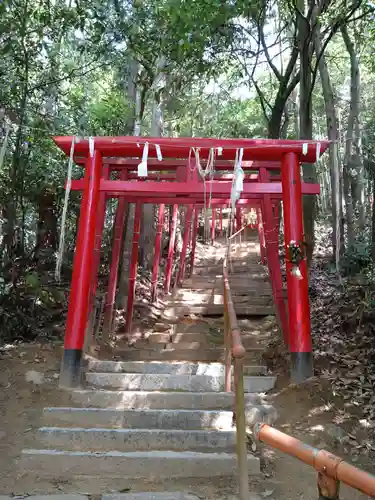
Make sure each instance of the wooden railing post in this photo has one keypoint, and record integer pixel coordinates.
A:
(241, 438)
(237, 352)
(228, 344)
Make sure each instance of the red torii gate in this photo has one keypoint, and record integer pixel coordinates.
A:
(181, 185)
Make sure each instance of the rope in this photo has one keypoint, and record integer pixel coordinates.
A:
(60, 252)
(208, 171)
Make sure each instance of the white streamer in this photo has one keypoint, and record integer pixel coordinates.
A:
(142, 167)
(305, 148)
(318, 146)
(91, 146)
(158, 152)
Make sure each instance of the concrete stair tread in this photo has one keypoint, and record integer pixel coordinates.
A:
(186, 383)
(172, 367)
(215, 354)
(105, 439)
(139, 419)
(239, 301)
(160, 400)
(217, 310)
(163, 495)
(186, 419)
(145, 464)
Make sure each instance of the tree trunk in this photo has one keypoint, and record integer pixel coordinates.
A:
(157, 125)
(333, 135)
(122, 296)
(46, 237)
(350, 158)
(353, 152)
(305, 125)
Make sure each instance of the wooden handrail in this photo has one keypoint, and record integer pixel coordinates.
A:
(235, 349)
(331, 468)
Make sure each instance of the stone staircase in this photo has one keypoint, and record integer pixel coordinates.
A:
(147, 420)
(156, 410)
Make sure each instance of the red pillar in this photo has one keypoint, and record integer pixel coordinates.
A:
(118, 232)
(99, 226)
(172, 239)
(194, 240)
(276, 209)
(133, 266)
(262, 241)
(181, 269)
(238, 218)
(221, 221)
(155, 265)
(213, 225)
(272, 253)
(298, 299)
(70, 375)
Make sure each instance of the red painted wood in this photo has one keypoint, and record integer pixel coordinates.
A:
(218, 188)
(133, 267)
(83, 257)
(99, 226)
(118, 232)
(254, 149)
(185, 243)
(298, 298)
(273, 261)
(155, 265)
(168, 164)
(221, 221)
(172, 239)
(194, 239)
(262, 240)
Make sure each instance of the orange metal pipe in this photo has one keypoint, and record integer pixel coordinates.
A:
(323, 461)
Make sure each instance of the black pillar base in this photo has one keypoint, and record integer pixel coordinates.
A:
(301, 366)
(71, 374)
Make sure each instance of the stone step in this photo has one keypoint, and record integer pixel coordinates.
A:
(160, 400)
(143, 464)
(217, 310)
(198, 282)
(102, 439)
(183, 338)
(139, 419)
(154, 419)
(239, 301)
(156, 495)
(173, 353)
(250, 343)
(166, 382)
(215, 369)
(216, 295)
(210, 341)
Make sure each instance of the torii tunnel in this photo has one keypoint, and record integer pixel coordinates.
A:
(272, 174)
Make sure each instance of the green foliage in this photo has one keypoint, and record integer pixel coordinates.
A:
(356, 259)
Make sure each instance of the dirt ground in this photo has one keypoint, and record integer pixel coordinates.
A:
(304, 411)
